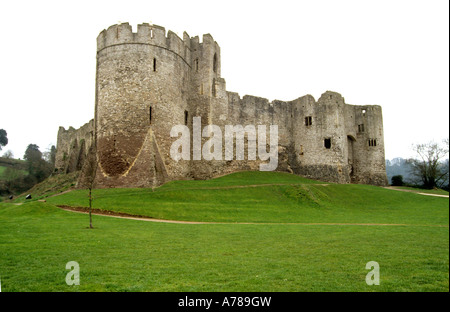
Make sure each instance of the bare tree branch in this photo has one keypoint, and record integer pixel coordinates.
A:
(430, 168)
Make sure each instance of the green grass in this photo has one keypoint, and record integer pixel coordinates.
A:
(20, 172)
(291, 200)
(53, 185)
(18, 165)
(38, 239)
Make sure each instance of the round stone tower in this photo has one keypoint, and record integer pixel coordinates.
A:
(142, 88)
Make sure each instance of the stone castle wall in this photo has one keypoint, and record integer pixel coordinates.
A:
(147, 82)
(72, 147)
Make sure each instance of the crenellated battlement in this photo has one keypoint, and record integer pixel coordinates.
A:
(150, 80)
(155, 35)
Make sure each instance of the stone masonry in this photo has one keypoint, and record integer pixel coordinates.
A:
(149, 81)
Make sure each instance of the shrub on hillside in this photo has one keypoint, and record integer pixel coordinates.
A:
(397, 180)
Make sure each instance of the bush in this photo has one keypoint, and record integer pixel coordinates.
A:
(397, 180)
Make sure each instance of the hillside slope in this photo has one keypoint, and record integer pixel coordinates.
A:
(266, 197)
(53, 185)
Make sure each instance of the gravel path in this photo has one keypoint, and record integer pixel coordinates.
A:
(411, 191)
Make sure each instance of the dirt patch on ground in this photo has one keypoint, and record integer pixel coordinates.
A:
(146, 218)
(102, 212)
(123, 215)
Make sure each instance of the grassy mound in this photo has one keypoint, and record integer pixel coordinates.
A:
(53, 185)
(267, 197)
(340, 228)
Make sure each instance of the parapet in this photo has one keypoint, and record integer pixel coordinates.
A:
(146, 34)
(87, 127)
(149, 34)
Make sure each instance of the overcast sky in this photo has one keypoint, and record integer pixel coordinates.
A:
(390, 53)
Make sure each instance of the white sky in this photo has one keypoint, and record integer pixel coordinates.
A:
(392, 53)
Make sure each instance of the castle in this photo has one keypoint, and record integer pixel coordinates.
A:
(147, 82)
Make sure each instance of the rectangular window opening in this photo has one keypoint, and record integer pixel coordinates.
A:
(327, 143)
(154, 64)
(361, 128)
(372, 142)
(308, 121)
(186, 116)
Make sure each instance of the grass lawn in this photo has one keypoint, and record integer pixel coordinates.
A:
(290, 199)
(37, 239)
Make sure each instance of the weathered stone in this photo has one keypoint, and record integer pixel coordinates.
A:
(72, 146)
(148, 82)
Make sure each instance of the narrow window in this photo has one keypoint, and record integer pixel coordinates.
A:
(363, 112)
(372, 142)
(327, 143)
(196, 64)
(308, 121)
(215, 62)
(361, 128)
(150, 114)
(186, 116)
(151, 33)
(154, 64)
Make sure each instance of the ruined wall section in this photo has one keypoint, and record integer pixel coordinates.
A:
(143, 83)
(319, 138)
(72, 147)
(365, 125)
(252, 110)
(304, 127)
(249, 110)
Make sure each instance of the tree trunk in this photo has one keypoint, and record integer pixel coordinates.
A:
(90, 208)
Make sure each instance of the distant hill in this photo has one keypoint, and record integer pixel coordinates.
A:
(13, 163)
(399, 166)
(10, 169)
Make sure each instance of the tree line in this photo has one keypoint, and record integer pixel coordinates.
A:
(20, 176)
(429, 169)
